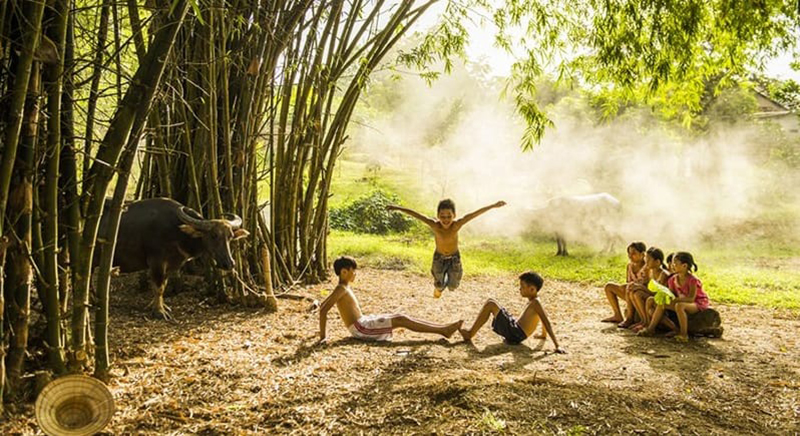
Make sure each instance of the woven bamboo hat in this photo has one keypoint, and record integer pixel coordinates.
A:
(74, 405)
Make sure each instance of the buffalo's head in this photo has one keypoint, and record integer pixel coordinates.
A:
(216, 234)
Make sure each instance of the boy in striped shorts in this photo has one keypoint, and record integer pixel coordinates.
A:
(369, 327)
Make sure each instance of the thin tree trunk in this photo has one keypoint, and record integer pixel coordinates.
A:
(30, 29)
(19, 214)
(109, 238)
(102, 33)
(68, 183)
(54, 77)
(3, 247)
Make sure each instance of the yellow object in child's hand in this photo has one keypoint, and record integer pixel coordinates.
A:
(663, 294)
(324, 292)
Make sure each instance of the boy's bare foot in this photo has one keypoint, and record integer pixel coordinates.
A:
(645, 332)
(437, 293)
(613, 319)
(681, 338)
(465, 334)
(625, 324)
(450, 329)
(670, 334)
(637, 327)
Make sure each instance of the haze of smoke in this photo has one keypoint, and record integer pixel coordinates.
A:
(673, 190)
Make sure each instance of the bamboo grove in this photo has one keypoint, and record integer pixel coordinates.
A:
(223, 105)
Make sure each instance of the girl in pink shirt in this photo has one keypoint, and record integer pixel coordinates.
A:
(635, 274)
(690, 297)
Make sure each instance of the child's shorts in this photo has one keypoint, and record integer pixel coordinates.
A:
(446, 270)
(506, 326)
(372, 328)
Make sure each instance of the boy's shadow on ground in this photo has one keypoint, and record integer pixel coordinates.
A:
(310, 345)
(521, 353)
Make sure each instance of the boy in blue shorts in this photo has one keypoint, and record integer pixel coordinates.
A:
(512, 330)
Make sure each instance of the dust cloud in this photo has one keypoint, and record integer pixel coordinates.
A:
(459, 139)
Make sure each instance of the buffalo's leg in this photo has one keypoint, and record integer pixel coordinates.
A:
(562, 245)
(158, 279)
(175, 283)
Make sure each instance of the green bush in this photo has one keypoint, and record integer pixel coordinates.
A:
(369, 215)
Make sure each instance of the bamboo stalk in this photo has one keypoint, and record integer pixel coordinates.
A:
(30, 28)
(54, 76)
(19, 214)
(94, 94)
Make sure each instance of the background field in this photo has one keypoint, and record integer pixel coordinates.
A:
(748, 264)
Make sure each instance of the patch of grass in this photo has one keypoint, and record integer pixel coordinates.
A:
(576, 430)
(492, 423)
(763, 275)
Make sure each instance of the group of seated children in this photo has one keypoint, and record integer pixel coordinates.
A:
(652, 288)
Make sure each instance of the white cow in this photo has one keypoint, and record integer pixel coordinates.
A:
(589, 218)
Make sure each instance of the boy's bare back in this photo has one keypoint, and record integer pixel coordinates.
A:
(531, 316)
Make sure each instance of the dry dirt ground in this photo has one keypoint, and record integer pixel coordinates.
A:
(224, 370)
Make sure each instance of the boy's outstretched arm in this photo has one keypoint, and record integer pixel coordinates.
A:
(413, 213)
(472, 215)
(325, 307)
(546, 324)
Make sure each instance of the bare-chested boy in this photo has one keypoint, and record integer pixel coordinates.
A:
(369, 327)
(512, 330)
(446, 267)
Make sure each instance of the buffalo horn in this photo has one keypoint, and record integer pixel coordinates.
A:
(188, 219)
(233, 220)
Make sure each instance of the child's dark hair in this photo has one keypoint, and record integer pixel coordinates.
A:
(343, 262)
(686, 257)
(531, 278)
(657, 254)
(638, 246)
(669, 257)
(446, 204)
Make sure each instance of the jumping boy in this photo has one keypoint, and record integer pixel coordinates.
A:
(504, 324)
(446, 266)
(369, 327)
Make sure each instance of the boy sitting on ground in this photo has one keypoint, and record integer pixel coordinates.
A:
(369, 327)
(504, 324)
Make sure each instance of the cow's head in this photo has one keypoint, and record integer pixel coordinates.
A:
(216, 234)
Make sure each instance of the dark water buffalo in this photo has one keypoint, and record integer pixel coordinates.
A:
(592, 218)
(160, 235)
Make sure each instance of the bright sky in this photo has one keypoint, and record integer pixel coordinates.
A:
(779, 68)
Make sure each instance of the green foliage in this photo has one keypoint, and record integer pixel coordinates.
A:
(368, 214)
(732, 104)
(786, 92)
(677, 54)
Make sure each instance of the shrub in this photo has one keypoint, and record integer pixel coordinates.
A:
(368, 214)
